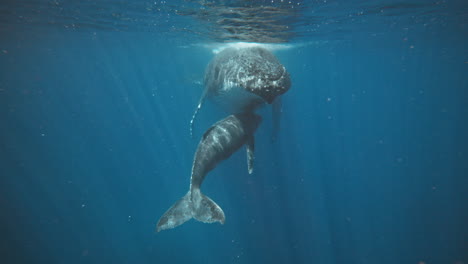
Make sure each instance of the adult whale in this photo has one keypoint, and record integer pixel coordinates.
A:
(218, 143)
(242, 79)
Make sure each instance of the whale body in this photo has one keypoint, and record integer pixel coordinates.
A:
(218, 143)
(243, 79)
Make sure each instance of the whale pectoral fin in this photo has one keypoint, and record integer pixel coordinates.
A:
(250, 153)
(200, 103)
(276, 110)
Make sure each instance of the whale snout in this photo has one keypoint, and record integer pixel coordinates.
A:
(269, 86)
(269, 93)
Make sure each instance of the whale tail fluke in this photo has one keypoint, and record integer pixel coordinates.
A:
(193, 204)
(178, 214)
(206, 210)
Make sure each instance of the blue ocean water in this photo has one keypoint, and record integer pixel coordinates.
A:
(370, 165)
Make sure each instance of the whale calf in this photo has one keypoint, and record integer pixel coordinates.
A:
(242, 79)
(218, 143)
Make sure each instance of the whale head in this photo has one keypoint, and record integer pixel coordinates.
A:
(254, 69)
(260, 73)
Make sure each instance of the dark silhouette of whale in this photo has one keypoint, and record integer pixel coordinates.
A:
(218, 143)
(242, 79)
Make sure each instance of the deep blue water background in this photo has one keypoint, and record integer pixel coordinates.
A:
(371, 164)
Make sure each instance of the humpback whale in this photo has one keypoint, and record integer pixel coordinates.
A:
(242, 79)
(218, 143)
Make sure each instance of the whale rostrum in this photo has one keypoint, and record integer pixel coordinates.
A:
(218, 143)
